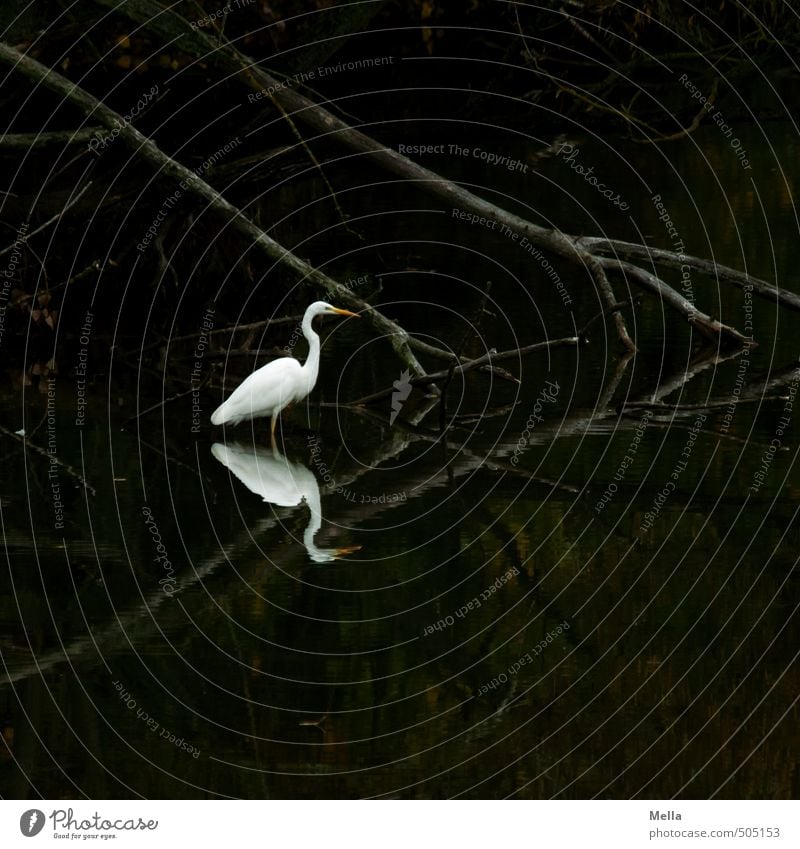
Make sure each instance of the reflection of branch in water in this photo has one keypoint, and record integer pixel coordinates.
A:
(139, 617)
(709, 405)
(753, 392)
(27, 444)
(459, 450)
(115, 634)
(682, 375)
(168, 457)
(672, 423)
(602, 420)
(459, 421)
(770, 382)
(604, 401)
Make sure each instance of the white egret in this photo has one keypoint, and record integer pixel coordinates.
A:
(278, 384)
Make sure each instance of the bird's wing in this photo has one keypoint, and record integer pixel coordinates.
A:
(266, 390)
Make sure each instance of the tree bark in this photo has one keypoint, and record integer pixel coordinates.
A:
(669, 259)
(150, 152)
(174, 29)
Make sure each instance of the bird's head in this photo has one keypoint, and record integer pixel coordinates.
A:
(324, 308)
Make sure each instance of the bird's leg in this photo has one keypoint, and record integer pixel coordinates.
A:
(273, 422)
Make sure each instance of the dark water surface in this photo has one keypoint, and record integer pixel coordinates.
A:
(600, 604)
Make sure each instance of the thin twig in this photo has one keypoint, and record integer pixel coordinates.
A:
(461, 368)
(476, 323)
(610, 310)
(231, 329)
(72, 201)
(687, 131)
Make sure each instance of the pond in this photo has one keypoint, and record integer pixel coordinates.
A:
(552, 597)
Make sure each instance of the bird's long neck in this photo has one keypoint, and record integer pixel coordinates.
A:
(311, 365)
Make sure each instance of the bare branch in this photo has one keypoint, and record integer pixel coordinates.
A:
(149, 151)
(71, 202)
(669, 259)
(471, 365)
(171, 26)
(710, 328)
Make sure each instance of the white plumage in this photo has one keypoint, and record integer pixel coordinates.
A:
(273, 387)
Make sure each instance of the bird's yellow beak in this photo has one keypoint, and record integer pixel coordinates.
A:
(345, 312)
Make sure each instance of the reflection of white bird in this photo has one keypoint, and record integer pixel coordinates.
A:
(285, 484)
(273, 387)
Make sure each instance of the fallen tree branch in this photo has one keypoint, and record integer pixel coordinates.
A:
(471, 365)
(171, 26)
(150, 152)
(493, 356)
(713, 329)
(596, 267)
(475, 323)
(25, 141)
(669, 259)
